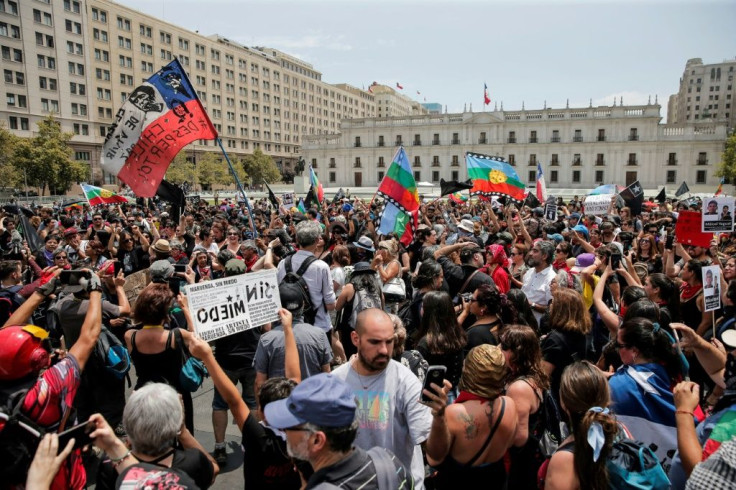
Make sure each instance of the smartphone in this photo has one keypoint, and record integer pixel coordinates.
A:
(175, 285)
(615, 261)
(182, 268)
(669, 241)
(72, 277)
(627, 246)
(117, 267)
(80, 433)
(436, 375)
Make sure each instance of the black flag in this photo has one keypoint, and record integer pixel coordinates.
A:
(311, 198)
(452, 186)
(633, 196)
(682, 189)
(661, 197)
(531, 201)
(172, 193)
(34, 241)
(338, 195)
(272, 198)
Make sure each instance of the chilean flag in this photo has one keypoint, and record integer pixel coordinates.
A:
(157, 120)
(541, 186)
(486, 99)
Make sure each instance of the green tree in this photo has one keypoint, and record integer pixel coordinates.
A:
(727, 168)
(261, 168)
(47, 159)
(9, 174)
(180, 170)
(212, 170)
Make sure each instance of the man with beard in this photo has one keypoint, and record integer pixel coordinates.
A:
(387, 393)
(538, 278)
(319, 421)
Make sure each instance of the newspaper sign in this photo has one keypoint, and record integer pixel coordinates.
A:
(597, 205)
(287, 199)
(718, 214)
(712, 287)
(232, 304)
(134, 284)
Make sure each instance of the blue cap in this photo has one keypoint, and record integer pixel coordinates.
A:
(322, 399)
(346, 207)
(581, 229)
(574, 216)
(556, 237)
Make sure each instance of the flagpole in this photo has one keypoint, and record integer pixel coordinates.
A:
(240, 188)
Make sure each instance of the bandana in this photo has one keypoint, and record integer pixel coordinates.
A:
(688, 292)
(497, 255)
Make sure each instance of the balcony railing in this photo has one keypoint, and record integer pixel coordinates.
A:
(455, 164)
(600, 162)
(702, 161)
(633, 137)
(601, 138)
(416, 164)
(577, 139)
(555, 163)
(577, 162)
(417, 143)
(533, 140)
(435, 164)
(554, 139)
(672, 161)
(333, 165)
(435, 142)
(482, 141)
(511, 140)
(632, 162)
(357, 144)
(357, 165)
(399, 142)
(455, 141)
(381, 165)
(381, 143)
(532, 163)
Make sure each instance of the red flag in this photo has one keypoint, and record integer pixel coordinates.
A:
(399, 86)
(486, 99)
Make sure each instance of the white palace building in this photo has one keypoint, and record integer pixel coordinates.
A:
(579, 148)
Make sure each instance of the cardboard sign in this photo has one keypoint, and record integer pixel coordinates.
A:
(687, 229)
(597, 205)
(233, 304)
(718, 214)
(550, 212)
(134, 284)
(712, 287)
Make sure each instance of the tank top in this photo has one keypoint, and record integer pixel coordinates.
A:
(162, 367)
(689, 312)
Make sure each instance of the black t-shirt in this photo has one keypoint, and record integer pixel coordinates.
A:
(238, 350)
(190, 461)
(481, 334)
(133, 260)
(562, 349)
(265, 461)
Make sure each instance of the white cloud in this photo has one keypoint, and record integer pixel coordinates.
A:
(308, 41)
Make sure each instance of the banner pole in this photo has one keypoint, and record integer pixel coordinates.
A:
(240, 188)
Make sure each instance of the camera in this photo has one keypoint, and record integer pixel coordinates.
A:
(462, 297)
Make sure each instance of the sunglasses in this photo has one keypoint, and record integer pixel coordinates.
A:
(61, 257)
(233, 234)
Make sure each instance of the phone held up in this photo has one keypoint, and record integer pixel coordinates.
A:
(435, 375)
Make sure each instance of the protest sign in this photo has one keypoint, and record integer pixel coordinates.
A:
(134, 284)
(232, 304)
(718, 214)
(287, 199)
(550, 212)
(597, 205)
(687, 230)
(712, 287)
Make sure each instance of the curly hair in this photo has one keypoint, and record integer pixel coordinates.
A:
(526, 354)
(496, 303)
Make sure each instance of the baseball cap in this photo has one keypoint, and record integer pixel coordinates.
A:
(292, 297)
(235, 267)
(581, 229)
(582, 261)
(323, 399)
(161, 271)
(574, 216)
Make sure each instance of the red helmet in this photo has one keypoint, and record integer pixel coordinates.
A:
(22, 351)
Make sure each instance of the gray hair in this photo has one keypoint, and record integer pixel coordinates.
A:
(339, 439)
(307, 233)
(152, 418)
(547, 249)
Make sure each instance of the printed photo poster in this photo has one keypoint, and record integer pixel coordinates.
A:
(718, 214)
(712, 287)
(550, 212)
(287, 199)
(233, 304)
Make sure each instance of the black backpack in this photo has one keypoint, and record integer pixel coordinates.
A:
(19, 437)
(296, 278)
(10, 300)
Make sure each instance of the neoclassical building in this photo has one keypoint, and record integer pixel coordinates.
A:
(579, 148)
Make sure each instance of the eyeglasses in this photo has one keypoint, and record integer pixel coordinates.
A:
(61, 257)
(232, 234)
(473, 300)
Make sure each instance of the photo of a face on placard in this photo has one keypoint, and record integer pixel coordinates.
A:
(718, 214)
(712, 287)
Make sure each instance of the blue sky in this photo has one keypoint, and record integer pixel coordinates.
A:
(525, 51)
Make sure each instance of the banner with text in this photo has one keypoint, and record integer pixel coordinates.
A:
(232, 304)
(597, 205)
(687, 229)
(712, 287)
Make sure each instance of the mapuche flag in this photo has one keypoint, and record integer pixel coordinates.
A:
(399, 188)
(493, 177)
(157, 120)
(97, 195)
(319, 192)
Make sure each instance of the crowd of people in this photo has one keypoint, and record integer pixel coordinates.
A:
(595, 322)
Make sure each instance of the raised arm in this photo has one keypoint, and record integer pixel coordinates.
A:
(291, 354)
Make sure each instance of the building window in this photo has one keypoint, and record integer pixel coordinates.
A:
(632, 159)
(702, 158)
(555, 136)
(380, 176)
(532, 176)
(599, 176)
(533, 159)
(455, 138)
(482, 139)
(533, 137)
(672, 159)
(357, 142)
(576, 160)
(578, 138)
(417, 175)
(700, 177)
(512, 137)
(381, 142)
(553, 176)
(671, 176)
(435, 176)
(633, 134)
(512, 159)
(599, 159)
(436, 139)
(576, 176)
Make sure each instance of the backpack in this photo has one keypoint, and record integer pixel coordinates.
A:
(386, 475)
(9, 302)
(296, 278)
(406, 315)
(363, 300)
(633, 466)
(18, 442)
(112, 354)
(550, 430)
